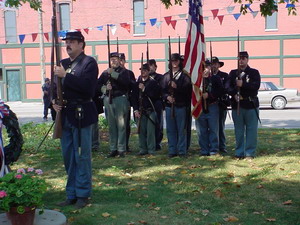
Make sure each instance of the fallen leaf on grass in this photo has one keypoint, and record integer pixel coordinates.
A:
(288, 202)
(188, 202)
(230, 175)
(197, 219)
(166, 182)
(143, 222)
(132, 189)
(58, 210)
(183, 172)
(144, 188)
(146, 196)
(231, 219)
(164, 217)
(271, 219)
(157, 208)
(205, 212)
(294, 172)
(106, 214)
(138, 205)
(259, 186)
(219, 193)
(281, 168)
(130, 223)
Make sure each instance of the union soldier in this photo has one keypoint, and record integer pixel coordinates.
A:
(158, 104)
(207, 124)
(115, 84)
(245, 117)
(177, 91)
(224, 102)
(79, 73)
(145, 95)
(132, 83)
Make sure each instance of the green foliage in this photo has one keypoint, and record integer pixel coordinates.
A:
(103, 123)
(20, 189)
(34, 4)
(168, 3)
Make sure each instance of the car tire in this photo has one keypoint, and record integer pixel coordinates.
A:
(279, 102)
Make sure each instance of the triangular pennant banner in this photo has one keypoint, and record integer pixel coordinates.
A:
(248, 6)
(113, 29)
(126, 26)
(21, 37)
(290, 5)
(34, 35)
(221, 19)
(236, 16)
(215, 12)
(182, 15)
(254, 14)
(46, 36)
(173, 23)
(158, 23)
(153, 21)
(168, 19)
(62, 33)
(86, 30)
(230, 9)
(100, 28)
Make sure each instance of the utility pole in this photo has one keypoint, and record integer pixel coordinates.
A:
(42, 50)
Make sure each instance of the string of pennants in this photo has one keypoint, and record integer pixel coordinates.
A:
(154, 22)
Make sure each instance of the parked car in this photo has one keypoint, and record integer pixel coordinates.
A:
(276, 96)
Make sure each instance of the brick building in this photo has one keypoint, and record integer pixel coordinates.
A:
(273, 42)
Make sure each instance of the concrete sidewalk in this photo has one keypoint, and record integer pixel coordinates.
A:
(28, 111)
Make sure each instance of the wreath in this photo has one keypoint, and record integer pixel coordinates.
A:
(13, 150)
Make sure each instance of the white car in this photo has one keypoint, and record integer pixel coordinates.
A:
(276, 96)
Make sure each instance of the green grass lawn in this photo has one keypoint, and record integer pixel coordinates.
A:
(179, 191)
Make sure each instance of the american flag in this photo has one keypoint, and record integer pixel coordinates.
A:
(194, 56)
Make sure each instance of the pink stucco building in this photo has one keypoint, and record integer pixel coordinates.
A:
(273, 42)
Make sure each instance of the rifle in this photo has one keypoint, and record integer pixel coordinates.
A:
(109, 65)
(238, 74)
(179, 46)
(140, 101)
(171, 79)
(117, 45)
(147, 53)
(57, 133)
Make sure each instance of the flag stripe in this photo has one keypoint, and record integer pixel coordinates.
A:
(195, 53)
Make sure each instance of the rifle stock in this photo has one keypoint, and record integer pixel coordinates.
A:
(238, 74)
(109, 65)
(171, 79)
(57, 132)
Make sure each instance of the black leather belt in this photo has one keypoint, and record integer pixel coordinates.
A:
(77, 101)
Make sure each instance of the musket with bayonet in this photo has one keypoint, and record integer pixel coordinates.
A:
(238, 94)
(179, 49)
(55, 56)
(109, 65)
(147, 53)
(171, 89)
(140, 100)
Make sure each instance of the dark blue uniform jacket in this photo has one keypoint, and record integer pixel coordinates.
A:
(249, 90)
(79, 88)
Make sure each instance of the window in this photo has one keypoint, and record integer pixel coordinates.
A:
(138, 16)
(271, 22)
(64, 10)
(10, 26)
